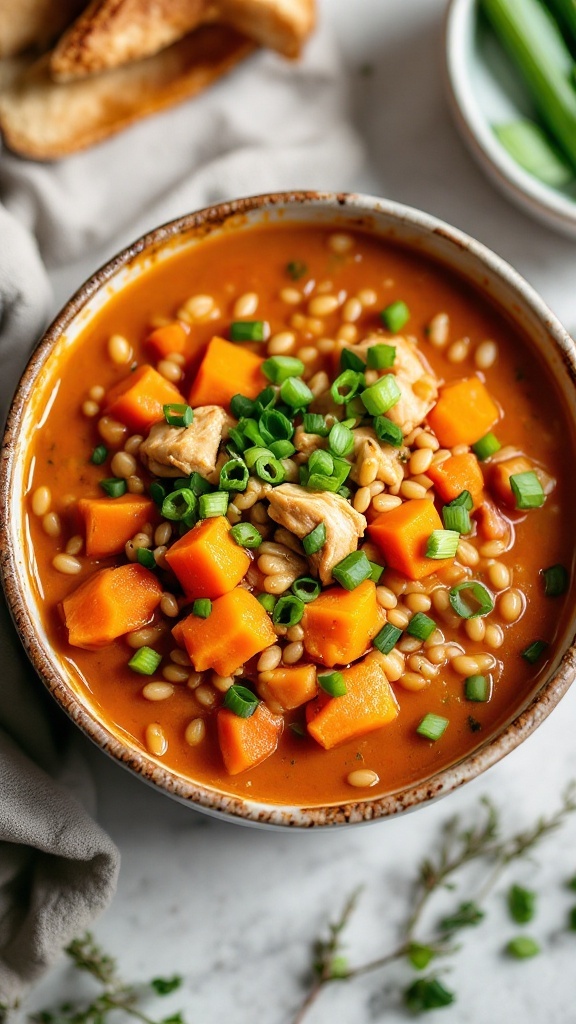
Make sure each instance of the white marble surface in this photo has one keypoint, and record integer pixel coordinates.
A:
(233, 909)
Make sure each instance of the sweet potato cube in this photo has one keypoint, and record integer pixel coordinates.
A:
(499, 479)
(402, 535)
(207, 561)
(237, 628)
(138, 399)
(339, 624)
(110, 522)
(368, 704)
(456, 474)
(246, 742)
(109, 604)
(288, 686)
(463, 413)
(169, 339)
(227, 370)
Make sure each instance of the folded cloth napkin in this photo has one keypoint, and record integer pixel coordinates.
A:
(270, 125)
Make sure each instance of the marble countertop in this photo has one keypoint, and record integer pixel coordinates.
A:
(234, 909)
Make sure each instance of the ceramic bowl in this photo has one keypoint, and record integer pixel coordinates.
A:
(488, 274)
(483, 90)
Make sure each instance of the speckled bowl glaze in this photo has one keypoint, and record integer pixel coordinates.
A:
(490, 275)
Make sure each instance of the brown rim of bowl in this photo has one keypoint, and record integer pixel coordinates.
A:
(201, 797)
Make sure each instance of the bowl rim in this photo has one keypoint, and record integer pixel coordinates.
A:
(543, 201)
(200, 796)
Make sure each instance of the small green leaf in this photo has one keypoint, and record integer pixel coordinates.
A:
(522, 947)
(420, 956)
(164, 986)
(521, 904)
(572, 883)
(339, 967)
(467, 915)
(176, 1018)
(427, 994)
(572, 919)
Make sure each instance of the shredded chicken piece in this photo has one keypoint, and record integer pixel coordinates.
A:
(389, 459)
(301, 511)
(308, 443)
(178, 451)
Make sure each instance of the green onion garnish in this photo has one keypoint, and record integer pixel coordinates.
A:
(215, 504)
(249, 330)
(288, 611)
(145, 661)
(534, 651)
(344, 492)
(266, 399)
(267, 601)
(556, 580)
(395, 316)
(246, 535)
(202, 607)
(275, 426)
(442, 544)
(341, 440)
(382, 395)
(421, 626)
(295, 392)
(471, 599)
(387, 638)
(251, 455)
(315, 540)
(234, 476)
(456, 518)
(114, 486)
(242, 701)
(477, 688)
(388, 432)
(464, 500)
(198, 485)
(321, 482)
(381, 357)
(486, 446)
(282, 449)
(179, 504)
(333, 683)
(250, 431)
(146, 558)
(237, 438)
(349, 360)
(296, 269)
(432, 727)
(352, 570)
(99, 455)
(321, 462)
(279, 368)
(178, 415)
(314, 423)
(355, 410)
(346, 386)
(241, 406)
(306, 588)
(527, 490)
(158, 492)
(270, 470)
(522, 947)
(377, 571)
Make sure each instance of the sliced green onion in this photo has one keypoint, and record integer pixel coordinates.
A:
(315, 540)
(198, 485)
(341, 471)
(158, 492)
(346, 386)
(215, 504)
(442, 544)
(556, 580)
(432, 727)
(381, 357)
(464, 500)
(234, 476)
(251, 455)
(321, 462)
(241, 406)
(333, 683)
(344, 492)
(295, 392)
(477, 688)
(421, 626)
(99, 455)
(146, 558)
(355, 410)
(534, 651)
(471, 599)
(522, 947)
(314, 423)
(246, 535)
(242, 701)
(249, 330)
(113, 486)
(297, 729)
(270, 470)
(202, 607)
(486, 446)
(388, 432)
(382, 395)
(179, 504)
(276, 426)
(527, 490)
(349, 360)
(237, 437)
(352, 570)
(395, 316)
(279, 368)
(145, 661)
(282, 449)
(250, 430)
(303, 475)
(178, 415)
(377, 571)
(267, 601)
(306, 589)
(387, 638)
(456, 518)
(296, 269)
(321, 482)
(288, 611)
(266, 399)
(531, 148)
(341, 440)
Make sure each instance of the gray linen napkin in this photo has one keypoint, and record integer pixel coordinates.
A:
(270, 125)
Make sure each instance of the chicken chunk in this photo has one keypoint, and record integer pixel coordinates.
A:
(178, 451)
(389, 459)
(301, 511)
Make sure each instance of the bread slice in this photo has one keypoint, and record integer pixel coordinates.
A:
(26, 24)
(282, 25)
(46, 120)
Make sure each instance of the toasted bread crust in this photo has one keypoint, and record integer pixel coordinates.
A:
(282, 25)
(26, 24)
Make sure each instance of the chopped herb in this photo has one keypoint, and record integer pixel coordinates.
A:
(296, 269)
(521, 904)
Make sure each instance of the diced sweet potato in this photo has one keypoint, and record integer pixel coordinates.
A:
(109, 604)
(402, 535)
(339, 624)
(227, 370)
(456, 474)
(138, 399)
(463, 413)
(237, 628)
(169, 339)
(368, 704)
(499, 479)
(491, 523)
(288, 686)
(246, 742)
(207, 561)
(110, 522)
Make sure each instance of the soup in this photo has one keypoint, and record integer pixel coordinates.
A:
(299, 518)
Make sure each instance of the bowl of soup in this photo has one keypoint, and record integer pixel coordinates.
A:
(286, 510)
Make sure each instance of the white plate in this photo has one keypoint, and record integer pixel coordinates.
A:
(483, 89)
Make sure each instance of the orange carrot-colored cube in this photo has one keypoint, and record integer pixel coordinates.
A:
(369, 703)
(169, 339)
(339, 624)
(246, 742)
(463, 413)
(288, 686)
(402, 535)
(110, 522)
(109, 604)
(138, 399)
(207, 561)
(227, 370)
(456, 474)
(237, 628)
